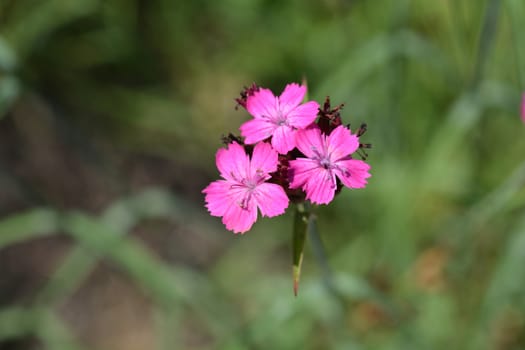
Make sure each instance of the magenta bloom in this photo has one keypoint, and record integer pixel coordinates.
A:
(523, 108)
(244, 188)
(278, 117)
(328, 158)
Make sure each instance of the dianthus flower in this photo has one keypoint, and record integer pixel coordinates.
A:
(328, 159)
(244, 188)
(278, 117)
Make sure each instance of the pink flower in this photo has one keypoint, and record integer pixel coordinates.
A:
(523, 108)
(328, 158)
(278, 117)
(244, 188)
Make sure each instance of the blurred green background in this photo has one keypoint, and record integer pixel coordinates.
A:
(111, 113)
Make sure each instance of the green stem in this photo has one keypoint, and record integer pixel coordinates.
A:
(302, 215)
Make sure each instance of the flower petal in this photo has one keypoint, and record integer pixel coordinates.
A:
(239, 218)
(310, 141)
(291, 97)
(303, 115)
(320, 186)
(318, 183)
(341, 142)
(264, 159)
(353, 172)
(232, 162)
(218, 197)
(283, 139)
(301, 170)
(271, 199)
(263, 104)
(233, 203)
(256, 130)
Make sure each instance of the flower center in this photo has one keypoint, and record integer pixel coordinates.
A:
(281, 119)
(322, 158)
(250, 184)
(325, 163)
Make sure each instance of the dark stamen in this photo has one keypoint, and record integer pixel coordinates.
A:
(362, 129)
(247, 92)
(230, 138)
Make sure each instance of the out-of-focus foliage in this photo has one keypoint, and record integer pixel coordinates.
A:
(102, 99)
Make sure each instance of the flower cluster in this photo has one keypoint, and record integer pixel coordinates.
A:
(289, 151)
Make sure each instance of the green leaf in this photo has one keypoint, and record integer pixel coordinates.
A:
(169, 287)
(125, 213)
(55, 335)
(505, 290)
(17, 322)
(150, 273)
(73, 269)
(7, 56)
(516, 13)
(120, 217)
(34, 223)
